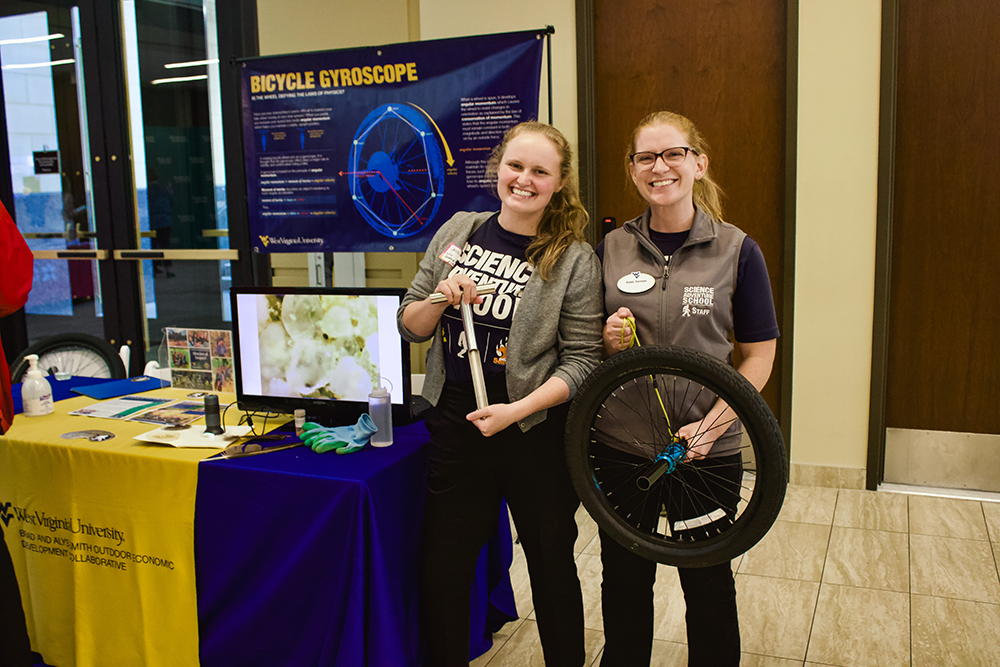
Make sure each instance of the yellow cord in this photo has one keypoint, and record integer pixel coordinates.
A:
(634, 338)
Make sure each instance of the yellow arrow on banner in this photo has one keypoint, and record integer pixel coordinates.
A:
(449, 159)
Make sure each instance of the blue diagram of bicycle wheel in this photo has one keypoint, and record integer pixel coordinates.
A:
(396, 172)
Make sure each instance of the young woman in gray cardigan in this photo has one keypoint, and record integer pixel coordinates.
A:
(539, 336)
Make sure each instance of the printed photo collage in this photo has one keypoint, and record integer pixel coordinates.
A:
(201, 359)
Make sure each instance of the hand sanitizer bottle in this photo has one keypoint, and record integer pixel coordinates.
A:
(36, 394)
(380, 410)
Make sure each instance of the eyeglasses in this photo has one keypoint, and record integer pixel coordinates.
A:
(672, 157)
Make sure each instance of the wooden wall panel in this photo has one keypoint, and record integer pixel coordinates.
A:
(723, 65)
(944, 309)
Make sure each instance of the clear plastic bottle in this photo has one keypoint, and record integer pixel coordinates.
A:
(300, 422)
(380, 410)
(36, 393)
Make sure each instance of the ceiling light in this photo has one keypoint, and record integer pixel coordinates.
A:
(28, 40)
(193, 63)
(177, 79)
(48, 64)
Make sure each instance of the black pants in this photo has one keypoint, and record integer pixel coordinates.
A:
(468, 475)
(15, 649)
(713, 632)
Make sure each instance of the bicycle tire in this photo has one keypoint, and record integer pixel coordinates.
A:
(610, 479)
(74, 353)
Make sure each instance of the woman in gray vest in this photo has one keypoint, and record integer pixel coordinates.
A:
(538, 337)
(697, 282)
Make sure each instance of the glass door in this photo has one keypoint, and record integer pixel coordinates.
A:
(49, 157)
(172, 70)
(124, 208)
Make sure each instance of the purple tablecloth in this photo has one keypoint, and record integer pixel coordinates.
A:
(311, 559)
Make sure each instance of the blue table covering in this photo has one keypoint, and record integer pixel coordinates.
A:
(311, 559)
(61, 389)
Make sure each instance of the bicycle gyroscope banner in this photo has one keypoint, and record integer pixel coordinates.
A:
(372, 149)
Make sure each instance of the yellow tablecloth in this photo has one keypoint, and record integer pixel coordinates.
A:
(102, 539)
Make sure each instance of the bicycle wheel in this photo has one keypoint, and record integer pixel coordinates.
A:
(73, 353)
(629, 466)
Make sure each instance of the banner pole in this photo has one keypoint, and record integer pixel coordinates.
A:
(548, 57)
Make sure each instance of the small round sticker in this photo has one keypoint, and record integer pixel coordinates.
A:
(92, 435)
(636, 282)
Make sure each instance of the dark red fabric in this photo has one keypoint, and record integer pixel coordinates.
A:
(16, 270)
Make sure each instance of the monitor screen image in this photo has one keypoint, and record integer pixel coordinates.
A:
(322, 349)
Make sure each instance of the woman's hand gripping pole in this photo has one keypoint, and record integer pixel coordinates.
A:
(475, 363)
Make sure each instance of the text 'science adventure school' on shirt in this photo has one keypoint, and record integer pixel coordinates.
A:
(491, 255)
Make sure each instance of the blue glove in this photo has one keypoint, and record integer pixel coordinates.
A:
(343, 439)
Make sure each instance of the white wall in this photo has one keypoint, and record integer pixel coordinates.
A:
(838, 100)
(294, 26)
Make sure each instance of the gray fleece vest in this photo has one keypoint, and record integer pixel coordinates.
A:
(688, 303)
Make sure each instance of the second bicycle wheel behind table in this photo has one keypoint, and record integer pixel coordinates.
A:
(630, 467)
(74, 353)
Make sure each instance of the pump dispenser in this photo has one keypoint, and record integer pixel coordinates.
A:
(36, 394)
(380, 410)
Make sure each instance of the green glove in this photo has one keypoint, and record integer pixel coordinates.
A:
(320, 438)
(342, 439)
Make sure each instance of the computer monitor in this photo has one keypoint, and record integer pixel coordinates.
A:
(321, 349)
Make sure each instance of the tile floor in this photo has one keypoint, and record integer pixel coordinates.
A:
(844, 578)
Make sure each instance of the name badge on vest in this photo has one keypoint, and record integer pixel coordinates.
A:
(636, 282)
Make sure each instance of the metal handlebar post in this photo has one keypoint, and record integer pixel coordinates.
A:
(475, 363)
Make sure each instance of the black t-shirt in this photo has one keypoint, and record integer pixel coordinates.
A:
(491, 255)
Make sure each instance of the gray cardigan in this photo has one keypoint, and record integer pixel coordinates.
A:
(556, 330)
